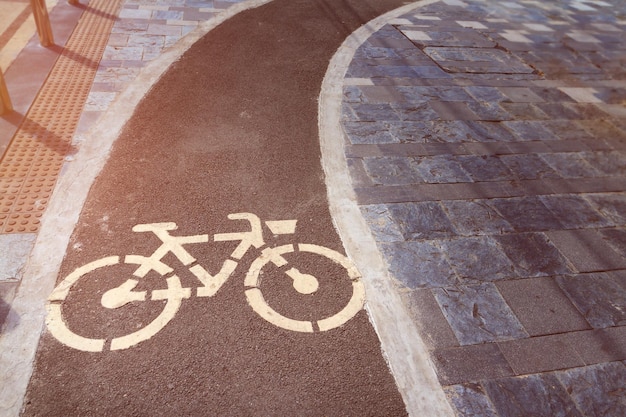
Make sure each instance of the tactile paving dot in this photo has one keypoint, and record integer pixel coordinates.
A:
(35, 156)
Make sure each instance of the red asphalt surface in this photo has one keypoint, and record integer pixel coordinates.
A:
(230, 128)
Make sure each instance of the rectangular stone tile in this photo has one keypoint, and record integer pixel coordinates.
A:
(526, 214)
(358, 175)
(470, 399)
(598, 297)
(616, 238)
(427, 316)
(392, 170)
(472, 218)
(586, 250)
(541, 306)
(612, 206)
(453, 110)
(424, 220)
(372, 112)
(478, 314)
(570, 165)
(531, 395)
(470, 364)
(529, 130)
(601, 345)
(533, 255)
(433, 131)
(574, 212)
(485, 168)
(359, 132)
(485, 131)
(381, 224)
(609, 163)
(528, 166)
(418, 264)
(442, 169)
(524, 111)
(597, 390)
(477, 258)
(540, 354)
(414, 112)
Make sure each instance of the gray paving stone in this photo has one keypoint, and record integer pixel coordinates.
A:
(442, 169)
(431, 131)
(616, 238)
(381, 223)
(470, 364)
(541, 306)
(470, 400)
(485, 168)
(418, 264)
(478, 314)
(597, 390)
(372, 112)
(453, 110)
(528, 166)
(425, 220)
(484, 131)
(533, 255)
(376, 94)
(574, 212)
(609, 163)
(477, 258)
(612, 206)
(485, 93)
(524, 111)
(601, 345)
(392, 170)
(558, 111)
(529, 130)
(540, 354)
(427, 316)
(489, 111)
(368, 132)
(598, 297)
(526, 214)
(472, 218)
(414, 112)
(586, 250)
(531, 395)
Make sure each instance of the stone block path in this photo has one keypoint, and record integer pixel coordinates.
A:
(487, 146)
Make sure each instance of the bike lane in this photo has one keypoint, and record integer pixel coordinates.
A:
(230, 128)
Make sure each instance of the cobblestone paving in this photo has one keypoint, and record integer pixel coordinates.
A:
(487, 146)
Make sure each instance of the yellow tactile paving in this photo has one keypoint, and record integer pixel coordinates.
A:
(35, 156)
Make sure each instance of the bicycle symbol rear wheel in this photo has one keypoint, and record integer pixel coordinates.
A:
(59, 328)
(263, 309)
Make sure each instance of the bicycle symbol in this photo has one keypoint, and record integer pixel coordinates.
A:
(173, 295)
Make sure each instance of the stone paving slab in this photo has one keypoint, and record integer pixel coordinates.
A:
(486, 146)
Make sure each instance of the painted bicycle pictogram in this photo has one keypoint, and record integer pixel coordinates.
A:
(175, 293)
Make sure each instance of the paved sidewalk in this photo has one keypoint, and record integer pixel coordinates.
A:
(487, 146)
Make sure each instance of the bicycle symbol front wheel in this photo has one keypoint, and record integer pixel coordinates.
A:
(263, 309)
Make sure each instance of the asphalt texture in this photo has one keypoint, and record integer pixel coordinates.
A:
(222, 132)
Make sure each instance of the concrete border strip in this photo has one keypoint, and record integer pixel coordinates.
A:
(20, 334)
(404, 349)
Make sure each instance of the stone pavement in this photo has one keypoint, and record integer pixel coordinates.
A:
(487, 146)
